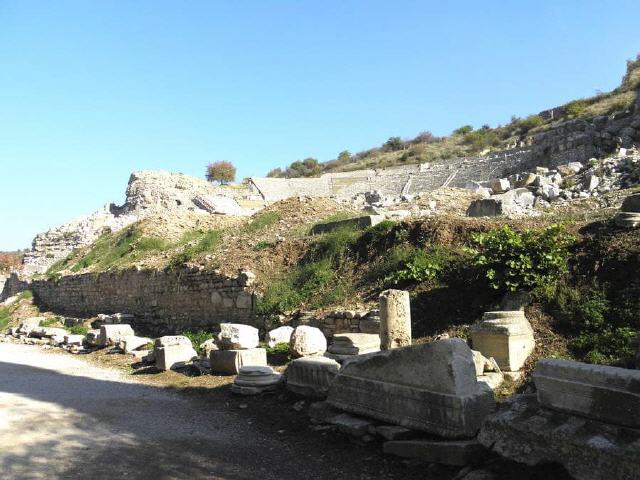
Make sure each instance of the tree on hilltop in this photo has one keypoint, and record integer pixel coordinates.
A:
(221, 171)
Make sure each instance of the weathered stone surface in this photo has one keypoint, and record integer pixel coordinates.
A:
(48, 332)
(627, 219)
(394, 432)
(131, 343)
(73, 339)
(112, 334)
(170, 340)
(351, 425)
(279, 335)
(505, 336)
(395, 319)
(588, 449)
(631, 203)
(485, 207)
(92, 338)
(604, 393)
(311, 376)
(499, 185)
(458, 453)
(174, 356)
(253, 380)
(28, 324)
(358, 222)
(236, 336)
(306, 341)
(229, 362)
(207, 347)
(429, 387)
(322, 412)
(354, 343)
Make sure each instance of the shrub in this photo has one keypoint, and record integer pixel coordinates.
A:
(575, 108)
(196, 242)
(515, 261)
(197, 338)
(464, 130)
(531, 122)
(393, 144)
(418, 266)
(77, 330)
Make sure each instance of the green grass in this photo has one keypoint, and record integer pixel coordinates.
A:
(50, 322)
(194, 244)
(77, 329)
(262, 245)
(5, 316)
(260, 221)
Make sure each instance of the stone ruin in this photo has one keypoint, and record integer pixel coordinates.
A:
(148, 193)
(629, 214)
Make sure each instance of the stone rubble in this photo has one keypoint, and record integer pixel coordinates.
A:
(307, 341)
(279, 335)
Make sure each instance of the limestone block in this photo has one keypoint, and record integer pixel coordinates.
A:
(229, 362)
(306, 341)
(279, 335)
(112, 334)
(73, 339)
(173, 356)
(236, 336)
(92, 337)
(253, 380)
(588, 449)
(486, 207)
(395, 319)
(28, 324)
(506, 336)
(48, 332)
(604, 393)
(354, 343)
(131, 343)
(458, 453)
(170, 340)
(429, 387)
(311, 376)
(499, 185)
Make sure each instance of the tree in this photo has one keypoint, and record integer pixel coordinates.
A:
(344, 156)
(276, 172)
(393, 144)
(221, 171)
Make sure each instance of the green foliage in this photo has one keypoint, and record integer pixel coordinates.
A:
(5, 316)
(464, 130)
(515, 260)
(197, 338)
(393, 144)
(278, 349)
(481, 139)
(25, 295)
(260, 221)
(221, 171)
(77, 329)
(576, 108)
(531, 122)
(50, 322)
(262, 245)
(418, 265)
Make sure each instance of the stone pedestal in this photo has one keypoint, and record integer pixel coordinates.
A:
(255, 380)
(229, 362)
(506, 336)
(629, 214)
(395, 319)
(174, 356)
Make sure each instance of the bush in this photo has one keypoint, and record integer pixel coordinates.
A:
(531, 122)
(221, 171)
(196, 243)
(575, 108)
(514, 261)
(77, 330)
(393, 144)
(198, 338)
(418, 266)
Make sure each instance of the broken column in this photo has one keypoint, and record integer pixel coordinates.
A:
(430, 387)
(395, 319)
(507, 337)
(311, 376)
(629, 214)
(345, 346)
(237, 343)
(256, 380)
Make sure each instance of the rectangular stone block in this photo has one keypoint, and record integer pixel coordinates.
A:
(429, 387)
(458, 453)
(608, 394)
(173, 356)
(229, 362)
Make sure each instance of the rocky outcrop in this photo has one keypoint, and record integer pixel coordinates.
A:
(148, 193)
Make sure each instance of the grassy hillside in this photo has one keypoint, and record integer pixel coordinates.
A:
(466, 141)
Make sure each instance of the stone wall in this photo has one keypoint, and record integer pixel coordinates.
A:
(163, 302)
(3, 279)
(339, 321)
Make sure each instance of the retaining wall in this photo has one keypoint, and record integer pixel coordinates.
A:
(163, 302)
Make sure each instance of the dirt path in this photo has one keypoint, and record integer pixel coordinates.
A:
(63, 418)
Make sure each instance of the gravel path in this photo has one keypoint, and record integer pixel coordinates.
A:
(62, 418)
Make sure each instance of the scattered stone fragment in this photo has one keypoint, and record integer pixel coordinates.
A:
(28, 324)
(171, 340)
(589, 449)
(346, 345)
(429, 387)
(394, 432)
(279, 335)
(351, 425)
(307, 341)
(447, 452)
(254, 380)
(311, 376)
(172, 352)
(207, 347)
(111, 334)
(229, 362)
(131, 343)
(237, 336)
(608, 394)
(395, 319)
(48, 332)
(73, 340)
(92, 338)
(629, 214)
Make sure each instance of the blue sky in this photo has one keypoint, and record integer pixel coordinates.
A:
(93, 90)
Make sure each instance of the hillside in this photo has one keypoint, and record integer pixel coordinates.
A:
(467, 141)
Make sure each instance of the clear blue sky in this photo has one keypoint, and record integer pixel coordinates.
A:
(92, 90)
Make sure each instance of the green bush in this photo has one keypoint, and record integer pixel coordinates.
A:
(198, 338)
(77, 330)
(514, 261)
(531, 122)
(418, 266)
(575, 108)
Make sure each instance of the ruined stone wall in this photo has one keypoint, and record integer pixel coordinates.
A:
(339, 321)
(3, 280)
(163, 301)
